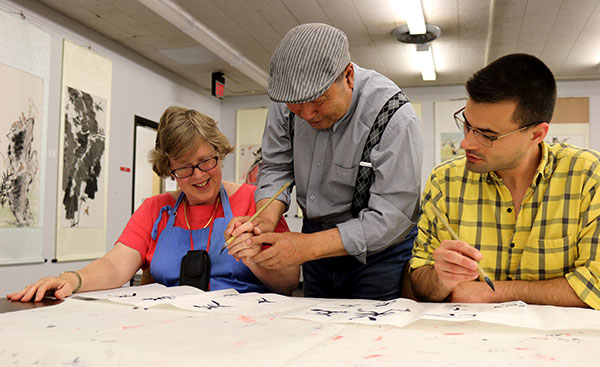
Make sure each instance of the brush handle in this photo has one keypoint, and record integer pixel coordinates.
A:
(445, 223)
(232, 238)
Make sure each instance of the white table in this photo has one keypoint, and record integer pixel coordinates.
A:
(102, 333)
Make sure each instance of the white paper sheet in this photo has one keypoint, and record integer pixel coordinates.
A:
(517, 313)
(246, 304)
(145, 295)
(398, 312)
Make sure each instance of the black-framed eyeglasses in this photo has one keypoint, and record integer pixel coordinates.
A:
(481, 137)
(204, 165)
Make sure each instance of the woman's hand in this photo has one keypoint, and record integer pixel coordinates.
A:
(62, 285)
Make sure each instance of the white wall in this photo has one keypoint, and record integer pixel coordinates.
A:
(427, 96)
(138, 88)
(229, 108)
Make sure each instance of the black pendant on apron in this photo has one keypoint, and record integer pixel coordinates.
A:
(195, 265)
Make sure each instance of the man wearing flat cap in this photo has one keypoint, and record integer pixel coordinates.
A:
(350, 141)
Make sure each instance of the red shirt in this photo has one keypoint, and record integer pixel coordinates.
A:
(137, 233)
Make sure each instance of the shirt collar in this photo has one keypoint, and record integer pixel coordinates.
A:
(544, 169)
(546, 165)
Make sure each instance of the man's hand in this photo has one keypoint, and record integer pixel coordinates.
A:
(285, 250)
(243, 230)
(455, 262)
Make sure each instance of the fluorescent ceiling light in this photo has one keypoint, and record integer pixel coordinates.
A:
(191, 26)
(412, 11)
(425, 60)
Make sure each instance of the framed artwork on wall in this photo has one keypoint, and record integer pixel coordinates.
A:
(447, 135)
(570, 122)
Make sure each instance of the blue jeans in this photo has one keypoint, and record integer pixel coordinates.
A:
(345, 277)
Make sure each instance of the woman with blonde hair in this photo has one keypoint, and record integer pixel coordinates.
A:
(179, 233)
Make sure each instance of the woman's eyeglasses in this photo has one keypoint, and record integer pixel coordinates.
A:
(204, 165)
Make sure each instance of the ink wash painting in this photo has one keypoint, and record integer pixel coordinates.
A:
(20, 146)
(83, 160)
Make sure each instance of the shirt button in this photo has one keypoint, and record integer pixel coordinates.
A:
(508, 278)
(509, 210)
(512, 245)
(312, 197)
(318, 164)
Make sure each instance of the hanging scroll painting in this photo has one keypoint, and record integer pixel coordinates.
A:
(83, 155)
(24, 73)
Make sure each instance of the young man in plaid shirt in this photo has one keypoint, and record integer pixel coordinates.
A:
(526, 211)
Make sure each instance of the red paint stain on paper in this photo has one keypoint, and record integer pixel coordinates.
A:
(246, 319)
(373, 356)
(379, 338)
(523, 348)
(132, 327)
(337, 337)
(137, 326)
(545, 358)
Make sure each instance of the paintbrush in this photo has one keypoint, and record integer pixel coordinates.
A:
(442, 219)
(230, 240)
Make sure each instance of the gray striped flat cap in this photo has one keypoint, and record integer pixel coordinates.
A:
(306, 62)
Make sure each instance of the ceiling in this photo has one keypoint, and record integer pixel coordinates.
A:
(563, 33)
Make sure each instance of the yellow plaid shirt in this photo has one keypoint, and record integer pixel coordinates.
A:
(555, 234)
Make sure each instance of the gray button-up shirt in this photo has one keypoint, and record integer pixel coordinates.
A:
(324, 165)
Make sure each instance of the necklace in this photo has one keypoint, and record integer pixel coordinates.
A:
(214, 211)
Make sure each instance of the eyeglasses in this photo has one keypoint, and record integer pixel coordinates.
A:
(204, 165)
(481, 137)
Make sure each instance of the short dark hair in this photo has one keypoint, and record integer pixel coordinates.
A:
(521, 78)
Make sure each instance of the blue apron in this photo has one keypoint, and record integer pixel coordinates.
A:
(174, 242)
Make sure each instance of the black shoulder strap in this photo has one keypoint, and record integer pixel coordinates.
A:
(366, 176)
(291, 127)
